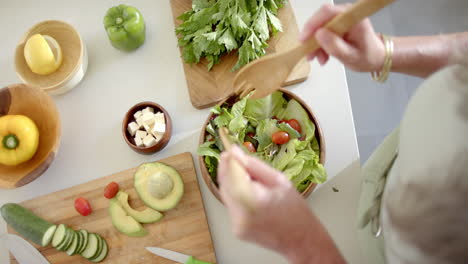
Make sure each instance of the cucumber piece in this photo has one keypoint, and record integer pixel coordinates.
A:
(74, 246)
(91, 247)
(85, 241)
(81, 241)
(103, 255)
(27, 224)
(100, 246)
(59, 235)
(67, 244)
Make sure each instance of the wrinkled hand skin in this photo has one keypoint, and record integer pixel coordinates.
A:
(361, 49)
(281, 220)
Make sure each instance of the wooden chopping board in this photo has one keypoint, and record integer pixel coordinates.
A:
(206, 88)
(183, 229)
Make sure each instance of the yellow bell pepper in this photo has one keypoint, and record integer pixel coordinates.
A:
(19, 139)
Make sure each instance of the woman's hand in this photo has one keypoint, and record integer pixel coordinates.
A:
(281, 220)
(361, 49)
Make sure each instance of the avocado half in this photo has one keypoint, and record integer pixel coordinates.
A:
(159, 186)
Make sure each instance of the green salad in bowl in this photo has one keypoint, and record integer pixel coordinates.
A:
(279, 129)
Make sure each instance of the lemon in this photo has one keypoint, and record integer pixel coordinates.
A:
(43, 54)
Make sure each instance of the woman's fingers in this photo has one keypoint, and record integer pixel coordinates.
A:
(336, 46)
(258, 170)
(323, 15)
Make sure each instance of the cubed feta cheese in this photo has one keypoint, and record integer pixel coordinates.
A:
(158, 130)
(139, 142)
(137, 115)
(149, 141)
(132, 128)
(141, 134)
(148, 128)
(140, 122)
(148, 118)
(148, 110)
(159, 118)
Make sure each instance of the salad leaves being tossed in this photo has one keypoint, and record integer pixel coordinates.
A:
(273, 129)
(215, 27)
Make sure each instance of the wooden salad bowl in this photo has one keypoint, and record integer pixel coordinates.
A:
(318, 133)
(74, 55)
(22, 99)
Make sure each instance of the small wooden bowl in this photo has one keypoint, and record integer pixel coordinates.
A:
(318, 133)
(22, 99)
(74, 63)
(129, 118)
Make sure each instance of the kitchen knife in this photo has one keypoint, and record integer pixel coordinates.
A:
(24, 252)
(175, 256)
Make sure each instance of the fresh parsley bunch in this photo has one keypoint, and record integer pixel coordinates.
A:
(214, 27)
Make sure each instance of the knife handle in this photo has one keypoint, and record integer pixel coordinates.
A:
(192, 260)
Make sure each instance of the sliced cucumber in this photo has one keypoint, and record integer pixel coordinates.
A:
(74, 246)
(68, 242)
(103, 255)
(81, 241)
(27, 224)
(100, 246)
(59, 235)
(85, 241)
(91, 247)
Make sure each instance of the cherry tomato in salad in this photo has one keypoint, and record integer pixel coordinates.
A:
(249, 146)
(111, 190)
(295, 124)
(251, 134)
(82, 206)
(280, 137)
(275, 118)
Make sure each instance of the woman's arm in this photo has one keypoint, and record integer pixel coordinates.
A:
(282, 221)
(423, 55)
(363, 50)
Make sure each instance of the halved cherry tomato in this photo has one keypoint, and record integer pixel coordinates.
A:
(82, 206)
(249, 146)
(280, 137)
(111, 190)
(295, 124)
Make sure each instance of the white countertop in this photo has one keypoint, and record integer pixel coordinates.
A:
(92, 113)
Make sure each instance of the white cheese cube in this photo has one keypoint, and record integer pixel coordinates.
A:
(137, 115)
(159, 118)
(148, 118)
(158, 130)
(148, 128)
(132, 128)
(139, 142)
(141, 134)
(149, 141)
(140, 122)
(148, 110)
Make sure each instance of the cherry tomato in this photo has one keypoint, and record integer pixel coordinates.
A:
(250, 147)
(295, 124)
(251, 134)
(275, 118)
(111, 190)
(82, 206)
(280, 137)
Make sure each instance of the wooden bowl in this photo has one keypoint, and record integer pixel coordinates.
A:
(74, 63)
(34, 103)
(318, 133)
(129, 118)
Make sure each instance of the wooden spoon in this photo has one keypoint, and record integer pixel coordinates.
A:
(266, 75)
(238, 178)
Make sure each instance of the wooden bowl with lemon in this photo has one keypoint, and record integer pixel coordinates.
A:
(52, 56)
(29, 134)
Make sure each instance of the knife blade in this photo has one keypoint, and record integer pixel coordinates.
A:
(24, 252)
(175, 256)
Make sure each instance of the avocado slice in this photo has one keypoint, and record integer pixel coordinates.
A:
(146, 216)
(123, 222)
(159, 186)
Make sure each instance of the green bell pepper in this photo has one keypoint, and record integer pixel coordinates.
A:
(125, 27)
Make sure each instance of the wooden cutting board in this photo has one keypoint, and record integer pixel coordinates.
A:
(206, 88)
(183, 229)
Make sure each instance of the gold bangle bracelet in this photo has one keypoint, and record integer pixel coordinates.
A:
(382, 76)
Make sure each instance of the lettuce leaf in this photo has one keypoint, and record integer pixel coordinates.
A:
(264, 131)
(291, 131)
(264, 108)
(206, 150)
(285, 155)
(294, 110)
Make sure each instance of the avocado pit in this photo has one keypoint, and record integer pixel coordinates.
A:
(160, 185)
